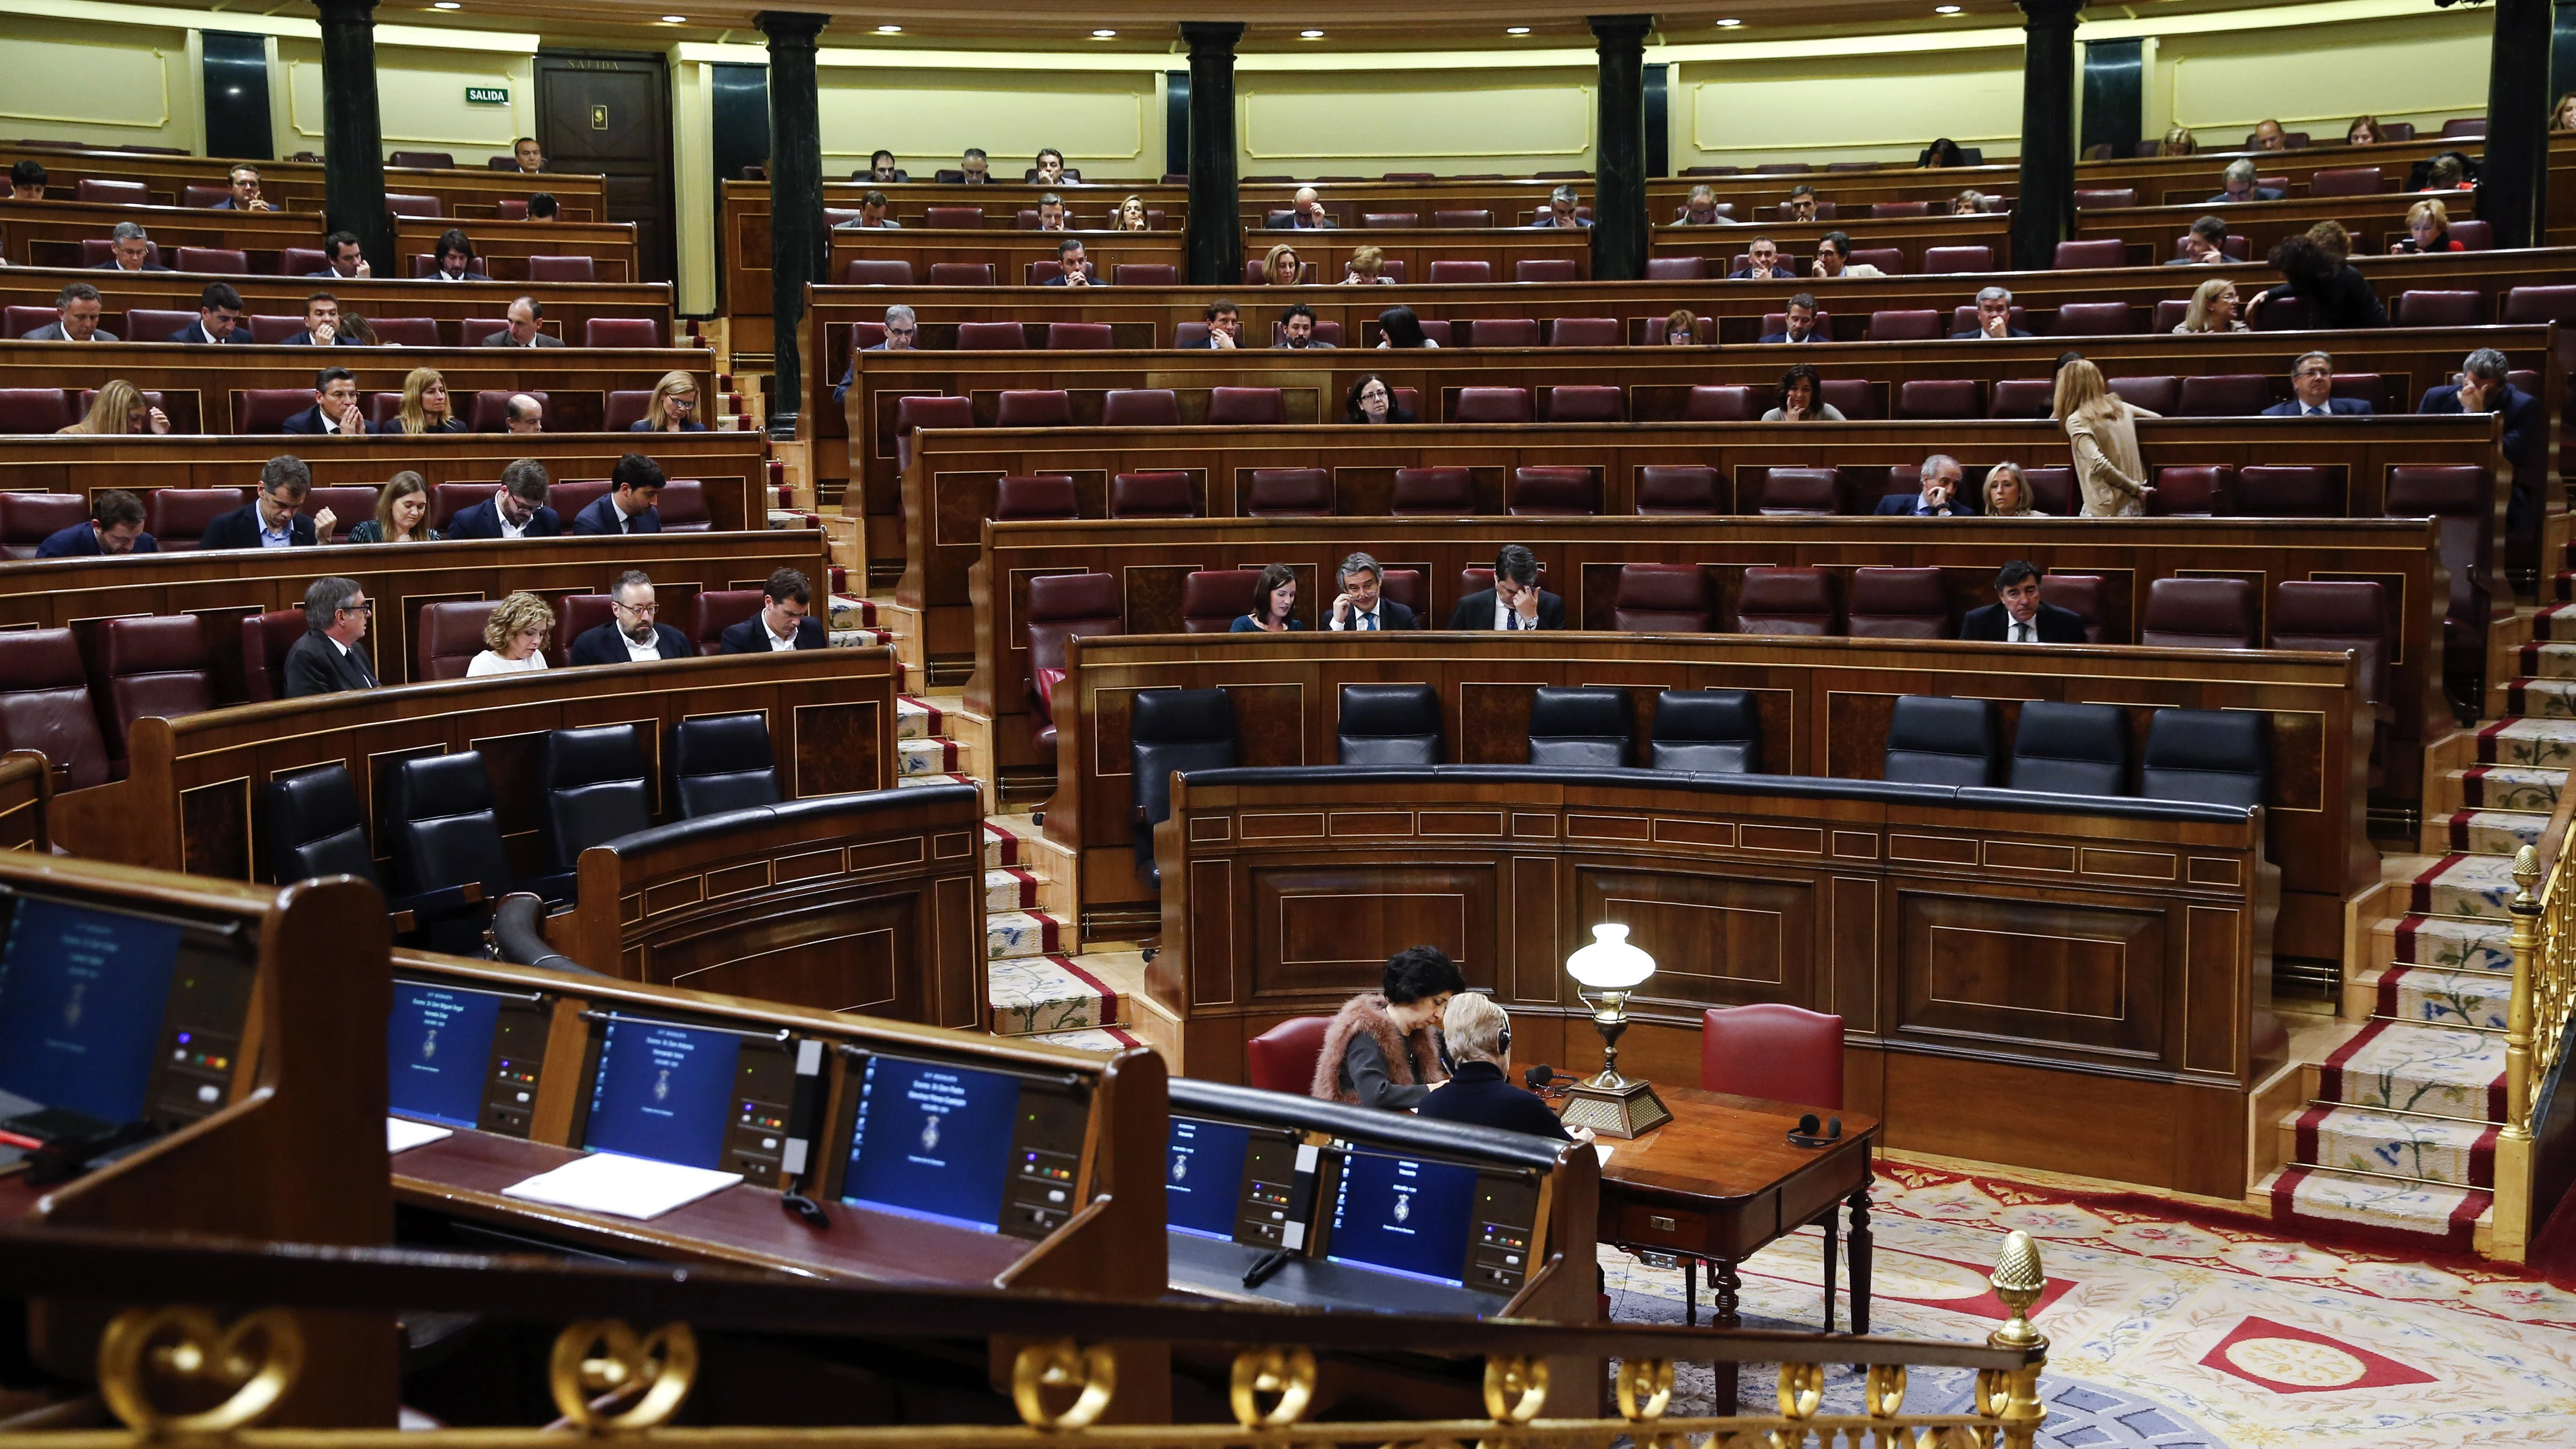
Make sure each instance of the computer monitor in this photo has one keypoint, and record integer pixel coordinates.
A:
(1228, 1181)
(1404, 1215)
(109, 1016)
(993, 1151)
(464, 1057)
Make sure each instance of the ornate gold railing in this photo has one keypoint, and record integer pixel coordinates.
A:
(609, 1381)
(2536, 1025)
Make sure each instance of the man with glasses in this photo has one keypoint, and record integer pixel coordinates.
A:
(516, 510)
(273, 519)
(629, 505)
(1362, 607)
(129, 250)
(327, 660)
(632, 635)
(901, 331)
(2312, 392)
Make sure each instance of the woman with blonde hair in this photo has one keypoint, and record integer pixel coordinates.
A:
(1365, 268)
(2103, 432)
(2428, 228)
(674, 398)
(120, 407)
(2178, 142)
(2007, 493)
(402, 514)
(1132, 217)
(1281, 267)
(514, 638)
(425, 406)
(1480, 1090)
(2214, 308)
(2562, 117)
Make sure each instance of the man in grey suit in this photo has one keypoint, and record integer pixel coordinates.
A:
(76, 311)
(523, 330)
(327, 660)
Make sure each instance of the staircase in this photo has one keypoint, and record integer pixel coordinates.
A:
(2397, 1140)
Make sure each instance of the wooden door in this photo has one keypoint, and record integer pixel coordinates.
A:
(610, 114)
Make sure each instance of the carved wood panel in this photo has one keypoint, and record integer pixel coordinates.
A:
(1994, 969)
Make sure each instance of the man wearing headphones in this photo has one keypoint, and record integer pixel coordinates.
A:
(1480, 1090)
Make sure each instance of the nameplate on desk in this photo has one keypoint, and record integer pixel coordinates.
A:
(622, 1186)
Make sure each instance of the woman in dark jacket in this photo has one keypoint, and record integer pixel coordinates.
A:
(2337, 296)
(1372, 401)
(1381, 1050)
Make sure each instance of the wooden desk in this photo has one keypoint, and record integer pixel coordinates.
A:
(49, 233)
(503, 247)
(1912, 235)
(1722, 1181)
(299, 185)
(567, 304)
(2150, 230)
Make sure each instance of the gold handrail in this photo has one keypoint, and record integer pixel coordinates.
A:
(614, 1383)
(2536, 1024)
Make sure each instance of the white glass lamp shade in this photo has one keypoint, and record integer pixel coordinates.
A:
(1610, 963)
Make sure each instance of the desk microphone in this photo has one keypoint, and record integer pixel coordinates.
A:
(1541, 1077)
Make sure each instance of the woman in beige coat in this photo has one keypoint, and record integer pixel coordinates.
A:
(2103, 431)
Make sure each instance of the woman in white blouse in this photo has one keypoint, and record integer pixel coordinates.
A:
(514, 637)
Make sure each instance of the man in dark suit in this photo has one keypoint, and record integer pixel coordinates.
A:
(1761, 263)
(525, 329)
(115, 527)
(335, 407)
(1297, 329)
(1937, 497)
(455, 253)
(1564, 209)
(327, 660)
(2020, 617)
(322, 325)
(76, 310)
(1994, 317)
(1801, 322)
(1515, 601)
(131, 251)
(2239, 181)
(1361, 607)
(517, 509)
(1305, 213)
(273, 519)
(2312, 386)
(2482, 388)
(1225, 327)
(219, 310)
(1075, 271)
(901, 332)
(244, 181)
(342, 257)
(631, 636)
(785, 620)
(628, 506)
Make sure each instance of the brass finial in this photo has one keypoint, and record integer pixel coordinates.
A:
(2526, 873)
(2018, 1281)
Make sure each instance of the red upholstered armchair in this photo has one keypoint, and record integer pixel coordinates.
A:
(1775, 1051)
(1283, 1058)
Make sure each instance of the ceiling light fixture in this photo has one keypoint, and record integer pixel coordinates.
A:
(1516, 30)
(1310, 35)
(1945, 9)
(889, 30)
(447, 5)
(1728, 24)
(675, 20)
(1104, 35)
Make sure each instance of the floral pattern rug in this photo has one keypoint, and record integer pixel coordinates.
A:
(2171, 1326)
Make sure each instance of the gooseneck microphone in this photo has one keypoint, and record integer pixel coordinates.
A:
(1539, 1078)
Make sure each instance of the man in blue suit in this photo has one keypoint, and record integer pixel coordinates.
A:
(115, 526)
(1801, 326)
(2312, 388)
(1936, 497)
(1362, 606)
(785, 620)
(2482, 388)
(516, 510)
(219, 310)
(628, 507)
(632, 635)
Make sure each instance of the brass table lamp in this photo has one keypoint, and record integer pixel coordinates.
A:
(1609, 1104)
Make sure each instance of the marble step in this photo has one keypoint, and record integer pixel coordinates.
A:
(2490, 832)
(2507, 787)
(2433, 1070)
(2435, 996)
(2433, 1150)
(932, 756)
(1045, 992)
(2447, 942)
(2432, 1214)
(2546, 743)
(2459, 884)
(1009, 935)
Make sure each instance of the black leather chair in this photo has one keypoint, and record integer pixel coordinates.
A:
(596, 791)
(1934, 740)
(1580, 728)
(1173, 730)
(446, 837)
(722, 762)
(2210, 756)
(1717, 731)
(1389, 724)
(2071, 749)
(315, 828)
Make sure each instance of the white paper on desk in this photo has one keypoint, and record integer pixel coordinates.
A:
(626, 1187)
(1604, 1149)
(402, 1134)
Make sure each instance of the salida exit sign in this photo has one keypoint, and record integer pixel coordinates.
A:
(487, 95)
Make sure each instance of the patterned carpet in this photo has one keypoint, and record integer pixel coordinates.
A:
(2170, 1329)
